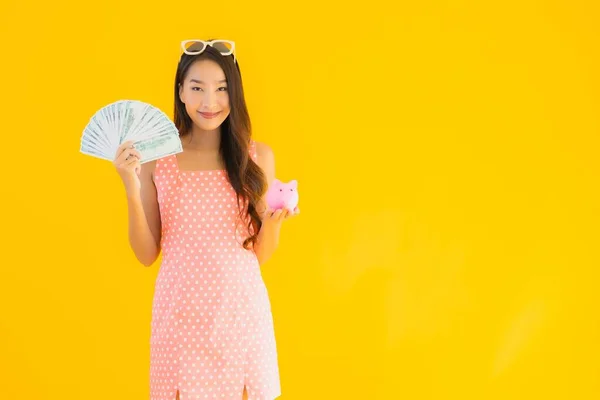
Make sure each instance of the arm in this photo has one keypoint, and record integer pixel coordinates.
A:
(268, 236)
(144, 218)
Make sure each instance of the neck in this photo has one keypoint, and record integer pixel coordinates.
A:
(199, 139)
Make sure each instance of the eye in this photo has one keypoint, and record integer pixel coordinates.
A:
(223, 87)
(196, 87)
(281, 190)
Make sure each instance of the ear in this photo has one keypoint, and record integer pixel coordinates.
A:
(294, 183)
(275, 181)
(180, 93)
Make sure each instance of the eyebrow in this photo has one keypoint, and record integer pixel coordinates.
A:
(201, 82)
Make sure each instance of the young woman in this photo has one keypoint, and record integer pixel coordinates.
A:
(212, 331)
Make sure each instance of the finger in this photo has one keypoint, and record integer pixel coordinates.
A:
(129, 163)
(122, 156)
(127, 145)
(127, 155)
(266, 213)
(133, 154)
(284, 214)
(123, 146)
(276, 214)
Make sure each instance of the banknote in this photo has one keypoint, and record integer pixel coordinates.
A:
(87, 143)
(150, 129)
(158, 146)
(94, 153)
(149, 124)
(99, 133)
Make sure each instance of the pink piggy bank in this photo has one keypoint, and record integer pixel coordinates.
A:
(282, 195)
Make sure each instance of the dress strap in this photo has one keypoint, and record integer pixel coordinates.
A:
(166, 167)
(252, 150)
(158, 167)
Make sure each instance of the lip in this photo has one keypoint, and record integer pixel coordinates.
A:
(209, 115)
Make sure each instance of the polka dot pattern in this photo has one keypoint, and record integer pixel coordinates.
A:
(212, 328)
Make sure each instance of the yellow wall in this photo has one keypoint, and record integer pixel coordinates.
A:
(447, 159)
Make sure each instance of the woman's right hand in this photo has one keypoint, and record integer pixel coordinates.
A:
(127, 163)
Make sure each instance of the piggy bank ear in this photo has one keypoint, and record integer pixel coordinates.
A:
(275, 182)
(294, 183)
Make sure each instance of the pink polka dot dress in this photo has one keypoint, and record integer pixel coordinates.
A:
(212, 327)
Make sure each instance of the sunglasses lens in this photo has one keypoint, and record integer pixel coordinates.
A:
(223, 47)
(194, 46)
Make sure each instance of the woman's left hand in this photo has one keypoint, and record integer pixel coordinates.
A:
(276, 217)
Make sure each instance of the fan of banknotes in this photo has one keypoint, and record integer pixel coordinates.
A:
(153, 134)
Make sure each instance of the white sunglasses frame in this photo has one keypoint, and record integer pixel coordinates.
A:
(209, 43)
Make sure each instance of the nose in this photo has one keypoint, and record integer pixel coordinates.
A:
(209, 101)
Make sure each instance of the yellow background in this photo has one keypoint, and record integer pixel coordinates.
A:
(447, 159)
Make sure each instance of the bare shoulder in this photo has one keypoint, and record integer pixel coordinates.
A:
(263, 150)
(265, 159)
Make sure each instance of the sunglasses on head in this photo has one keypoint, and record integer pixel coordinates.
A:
(197, 46)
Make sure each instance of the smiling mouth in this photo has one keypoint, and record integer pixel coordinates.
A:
(209, 115)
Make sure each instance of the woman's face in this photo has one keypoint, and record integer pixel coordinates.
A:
(204, 93)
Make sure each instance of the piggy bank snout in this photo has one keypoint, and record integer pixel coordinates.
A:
(290, 200)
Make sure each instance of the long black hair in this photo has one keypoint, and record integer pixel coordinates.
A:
(246, 177)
